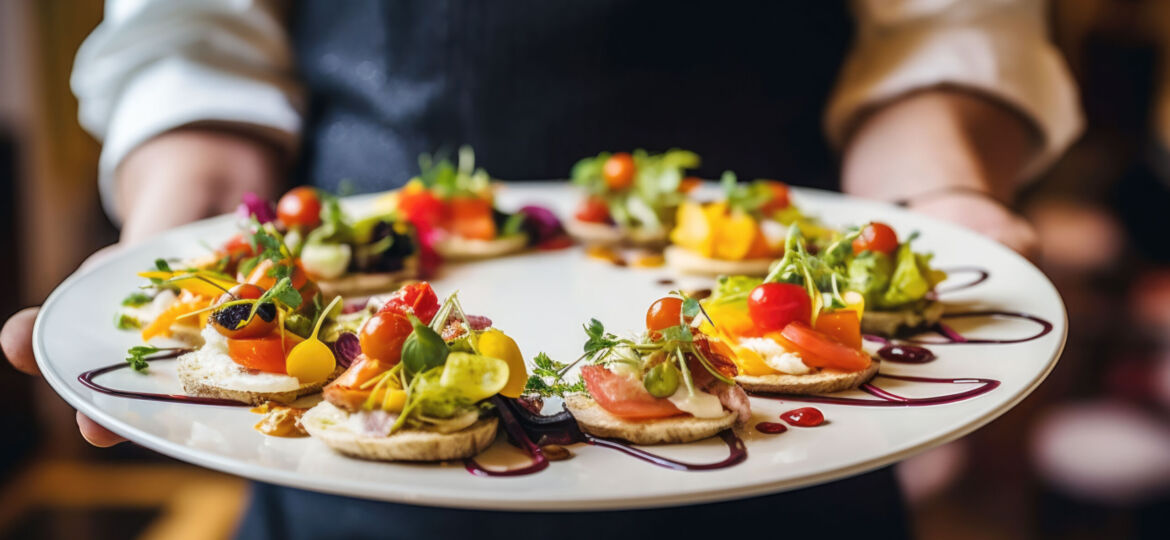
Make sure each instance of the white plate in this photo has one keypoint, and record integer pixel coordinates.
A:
(542, 299)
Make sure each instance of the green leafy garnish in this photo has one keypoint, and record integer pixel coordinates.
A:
(162, 265)
(123, 321)
(548, 379)
(136, 356)
(136, 299)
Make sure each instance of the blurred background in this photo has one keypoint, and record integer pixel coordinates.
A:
(1086, 456)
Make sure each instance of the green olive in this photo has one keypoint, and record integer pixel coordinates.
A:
(662, 380)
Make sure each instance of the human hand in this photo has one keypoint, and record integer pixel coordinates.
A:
(175, 178)
(949, 154)
(984, 215)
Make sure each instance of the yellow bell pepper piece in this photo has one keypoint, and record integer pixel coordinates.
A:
(496, 344)
(193, 283)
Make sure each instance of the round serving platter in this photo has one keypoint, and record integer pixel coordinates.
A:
(541, 299)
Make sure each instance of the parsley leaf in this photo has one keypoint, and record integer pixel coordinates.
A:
(548, 380)
(136, 356)
(136, 299)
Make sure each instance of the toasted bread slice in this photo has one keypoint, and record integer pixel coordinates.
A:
(825, 381)
(612, 235)
(889, 323)
(597, 421)
(364, 284)
(464, 249)
(687, 262)
(406, 445)
(200, 381)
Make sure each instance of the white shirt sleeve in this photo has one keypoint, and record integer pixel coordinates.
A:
(999, 48)
(155, 65)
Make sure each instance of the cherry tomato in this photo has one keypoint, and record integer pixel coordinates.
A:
(594, 210)
(877, 237)
(841, 325)
(773, 305)
(382, 336)
(300, 207)
(819, 350)
(298, 279)
(226, 320)
(237, 248)
(664, 313)
(417, 298)
(618, 171)
(243, 291)
(779, 200)
(264, 353)
(421, 207)
(623, 396)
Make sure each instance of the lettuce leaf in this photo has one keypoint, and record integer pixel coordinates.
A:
(732, 289)
(869, 274)
(909, 283)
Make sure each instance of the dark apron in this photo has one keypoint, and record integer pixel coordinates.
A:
(534, 86)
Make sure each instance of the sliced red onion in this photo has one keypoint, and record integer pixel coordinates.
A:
(541, 223)
(479, 322)
(252, 204)
(346, 349)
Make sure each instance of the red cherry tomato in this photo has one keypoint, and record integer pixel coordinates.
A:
(779, 200)
(618, 171)
(237, 248)
(877, 237)
(417, 298)
(773, 305)
(382, 336)
(263, 353)
(625, 397)
(819, 350)
(300, 207)
(664, 313)
(594, 210)
(299, 279)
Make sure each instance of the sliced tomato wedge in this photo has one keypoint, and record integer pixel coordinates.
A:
(819, 350)
(624, 397)
(417, 298)
(263, 354)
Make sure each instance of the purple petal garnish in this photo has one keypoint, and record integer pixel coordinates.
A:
(346, 349)
(541, 223)
(252, 204)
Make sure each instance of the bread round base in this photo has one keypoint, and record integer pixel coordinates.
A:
(687, 262)
(606, 234)
(362, 284)
(203, 387)
(598, 422)
(408, 444)
(889, 323)
(823, 382)
(462, 249)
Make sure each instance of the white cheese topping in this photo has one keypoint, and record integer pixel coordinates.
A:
(775, 356)
(774, 232)
(212, 363)
(700, 405)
